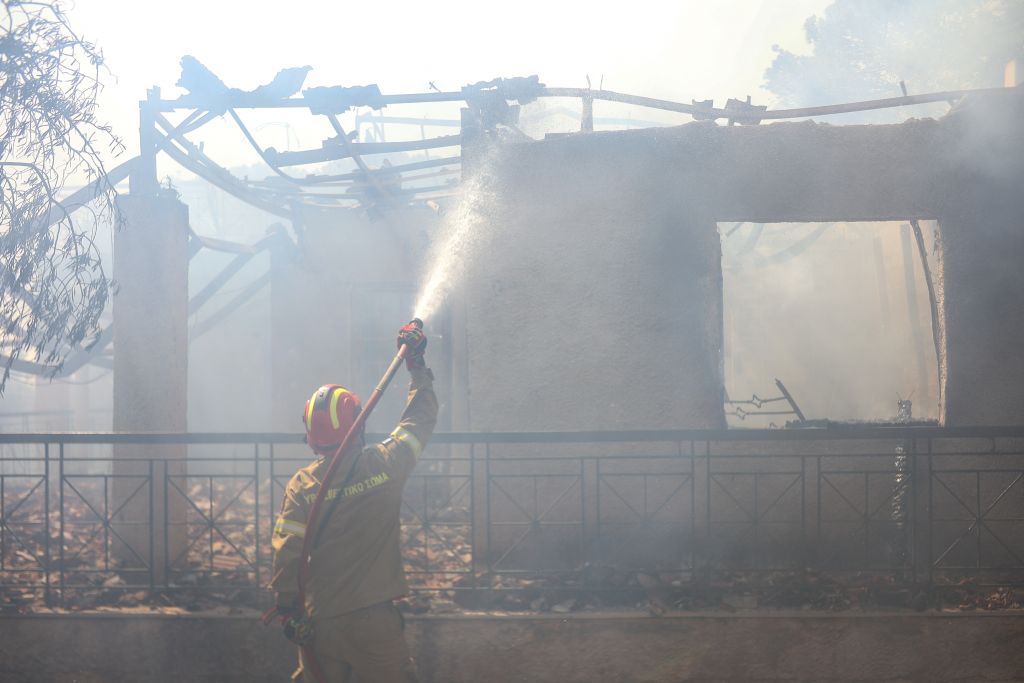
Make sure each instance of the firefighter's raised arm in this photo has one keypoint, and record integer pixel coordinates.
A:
(409, 438)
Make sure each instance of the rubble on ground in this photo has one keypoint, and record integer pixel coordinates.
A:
(445, 578)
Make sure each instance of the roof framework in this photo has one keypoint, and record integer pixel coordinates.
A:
(373, 184)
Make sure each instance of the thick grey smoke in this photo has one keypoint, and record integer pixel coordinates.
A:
(863, 49)
(839, 312)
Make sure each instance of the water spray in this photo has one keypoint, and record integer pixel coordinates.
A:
(450, 249)
(462, 238)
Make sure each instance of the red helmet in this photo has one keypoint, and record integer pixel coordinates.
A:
(330, 413)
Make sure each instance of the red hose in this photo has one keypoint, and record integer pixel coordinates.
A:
(308, 656)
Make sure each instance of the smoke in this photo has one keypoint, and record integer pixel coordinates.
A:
(867, 49)
(839, 312)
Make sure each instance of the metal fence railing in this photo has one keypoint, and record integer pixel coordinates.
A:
(127, 516)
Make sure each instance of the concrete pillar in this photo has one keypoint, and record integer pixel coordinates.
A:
(983, 287)
(150, 379)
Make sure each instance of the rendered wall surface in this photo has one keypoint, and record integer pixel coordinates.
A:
(596, 303)
(574, 649)
(983, 279)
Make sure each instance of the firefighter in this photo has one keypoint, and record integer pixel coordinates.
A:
(355, 571)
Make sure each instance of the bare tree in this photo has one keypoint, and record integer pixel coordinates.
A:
(52, 285)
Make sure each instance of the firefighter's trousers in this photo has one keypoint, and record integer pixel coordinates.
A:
(365, 646)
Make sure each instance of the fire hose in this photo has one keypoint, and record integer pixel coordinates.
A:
(308, 655)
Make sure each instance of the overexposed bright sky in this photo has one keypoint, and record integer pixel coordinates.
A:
(682, 50)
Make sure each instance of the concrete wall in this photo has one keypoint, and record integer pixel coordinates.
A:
(597, 301)
(577, 648)
(983, 282)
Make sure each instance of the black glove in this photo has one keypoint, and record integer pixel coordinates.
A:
(295, 625)
(298, 629)
(411, 335)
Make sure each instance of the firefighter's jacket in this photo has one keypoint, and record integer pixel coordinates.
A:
(358, 560)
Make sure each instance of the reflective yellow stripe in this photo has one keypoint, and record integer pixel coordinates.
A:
(285, 527)
(334, 406)
(409, 439)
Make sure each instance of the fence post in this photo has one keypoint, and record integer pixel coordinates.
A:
(804, 554)
(911, 543)
(480, 517)
(472, 517)
(152, 534)
(47, 598)
(693, 505)
(598, 527)
(707, 501)
(928, 544)
(586, 542)
(487, 506)
(165, 523)
(256, 506)
(273, 508)
(817, 512)
(60, 494)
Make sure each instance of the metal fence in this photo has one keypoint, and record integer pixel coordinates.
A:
(79, 513)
